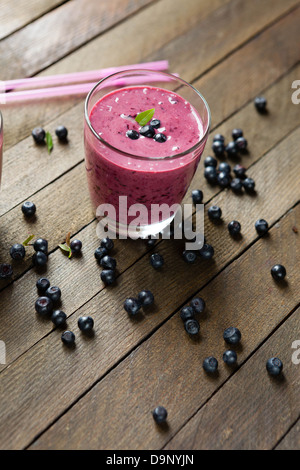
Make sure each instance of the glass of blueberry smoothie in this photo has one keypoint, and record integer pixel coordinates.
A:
(144, 135)
(1, 143)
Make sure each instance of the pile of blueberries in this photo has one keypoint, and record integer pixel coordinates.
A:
(108, 275)
(39, 134)
(133, 305)
(148, 131)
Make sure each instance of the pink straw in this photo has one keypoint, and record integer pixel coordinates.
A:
(80, 89)
(77, 77)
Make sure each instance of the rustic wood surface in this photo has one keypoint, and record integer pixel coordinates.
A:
(100, 395)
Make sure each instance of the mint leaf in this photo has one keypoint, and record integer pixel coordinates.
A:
(145, 116)
(68, 237)
(49, 141)
(25, 242)
(65, 247)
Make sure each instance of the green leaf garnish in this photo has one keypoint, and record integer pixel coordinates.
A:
(145, 116)
(25, 242)
(65, 247)
(49, 141)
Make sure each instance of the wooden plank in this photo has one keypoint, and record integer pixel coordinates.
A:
(252, 410)
(15, 15)
(184, 16)
(167, 368)
(292, 440)
(112, 324)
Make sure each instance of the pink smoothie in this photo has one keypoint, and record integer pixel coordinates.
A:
(139, 168)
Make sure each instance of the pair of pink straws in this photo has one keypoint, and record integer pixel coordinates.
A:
(79, 83)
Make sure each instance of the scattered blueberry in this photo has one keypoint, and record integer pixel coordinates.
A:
(234, 227)
(274, 366)
(210, 364)
(160, 414)
(207, 251)
(187, 313)
(214, 213)
(261, 226)
(28, 209)
(219, 137)
(146, 297)
(210, 174)
(58, 317)
(108, 262)
(210, 161)
(155, 123)
(132, 134)
(192, 327)
(100, 252)
(218, 148)
(239, 171)
(241, 143)
(41, 245)
(17, 251)
(107, 243)
(236, 185)
(224, 179)
(42, 284)
(236, 133)
(147, 131)
(225, 167)
(231, 149)
(232, 335)
(44, 306)
(249, 184)
(156, 260)
(230, 357)
(54, 293)
(62, 133)
(159, 137)
(189, 256)
(132, 306)
(151, 242)
(68, 338)
(278, 272)
(197, 196)
(198, 305)
(39, 258)
(108, 276)
(260, 103)
(38, 135)
(76, 246)
(85, 324)
(6, 271)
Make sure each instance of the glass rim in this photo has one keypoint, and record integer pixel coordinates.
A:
(178, 155)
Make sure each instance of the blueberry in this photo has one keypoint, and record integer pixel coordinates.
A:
(17, 251)
(261, 226)
(197, 196)
(224, 179)
(44, 306)
(234, 227)
(76, 246)
(107, 243)
(230, 357)
(236, 185)
(159, 137)
(239, 171)
(62, 133)
(132, 306)
(241, 143)
(236, 133)
(38, 135)
(41, 245)
(54, 293)
(210, 174)
(100, 252)
(187, 313)
(68, 338)
(39, 258)
(278, 272)
(6, 271)
(198, 305)
(42, 284)
(146, 297)
(189, 256)
(108, 276)
(28, 209)
(225, 167)
(214, 213)
(219, 137)
(249, 185)
(147, 131)
(108, 262)
(232, 335)
(231, 149)
(58, 317)
(192, 327)
(160, 414)
(210, 161)
(218, 148)
(132, 134)
(155, 123)
(85, 324)
(151, 242)
(274, 366)
(260, 103)
(207, 251)
(210, 364)
(156, 260)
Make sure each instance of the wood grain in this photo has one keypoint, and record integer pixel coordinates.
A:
(292, 440)
(114, 327)
(167, 368)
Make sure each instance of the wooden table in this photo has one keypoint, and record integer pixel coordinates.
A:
(100, 395)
